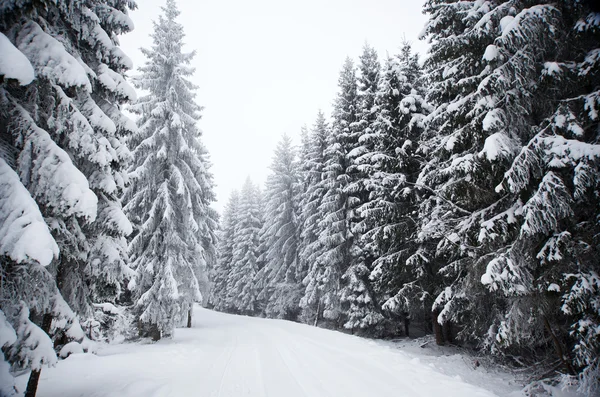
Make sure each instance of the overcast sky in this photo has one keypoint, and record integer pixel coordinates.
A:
(265, 67)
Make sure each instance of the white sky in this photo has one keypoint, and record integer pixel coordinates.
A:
(265, 67)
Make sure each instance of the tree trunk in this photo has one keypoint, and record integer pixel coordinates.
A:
(32, 384)
(406, 324)
(447, 328)
(317, 315)
(437, 328)
(189, 323)
(154, 332)
(34, 377)
(558, 348)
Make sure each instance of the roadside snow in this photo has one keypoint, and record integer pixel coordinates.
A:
(225, 355)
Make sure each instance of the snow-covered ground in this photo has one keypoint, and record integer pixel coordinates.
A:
(225, 355)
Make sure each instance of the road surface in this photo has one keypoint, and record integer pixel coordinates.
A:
(235, 356)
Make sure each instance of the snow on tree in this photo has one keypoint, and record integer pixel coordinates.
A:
(549, 260)
(479, 70)
(242, 292)
(71, 105)
(282, 289)
(33, 348)
(511, 171)
(171, 186)
(392, 165)
(335, 239)
(24, 236)
(220, 273)
(310, 246)
(7, 338)
(61, 151)
(14, 64)
(360, 304)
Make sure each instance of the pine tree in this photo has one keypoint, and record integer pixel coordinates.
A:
(548, 260)
(469, 146)
(74, 104)
(171, 189)
(242, 290)
(62, 154)
(220, 273)
(312, 196)
(511, 146)
(361, 306)
(281, 231)
(390, 223)
(335, 254)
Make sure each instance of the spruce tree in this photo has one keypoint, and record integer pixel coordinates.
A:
(62, 155)
(390, 221)
(281, 230)
(548, 262)
(171, 187)
(74, 104)
(220, 273)
(242, 290)
(336, 239)
(361, 306)
(511, 154)
(312, 196)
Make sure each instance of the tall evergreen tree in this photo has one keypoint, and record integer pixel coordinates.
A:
(361, 306)
(512, 149)
(335, 254)
(547, 262)
(220, 273)
(282, 288)
(62, 156)
(310, 245)
(171, 189)
(82, 74)
(392, 164)
(242, 289)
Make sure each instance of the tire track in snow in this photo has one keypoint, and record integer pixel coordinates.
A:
(335, 360)
(226, 367)
(292, 374)
(259, 368)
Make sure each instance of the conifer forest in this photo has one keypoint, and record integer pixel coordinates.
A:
(450, 198)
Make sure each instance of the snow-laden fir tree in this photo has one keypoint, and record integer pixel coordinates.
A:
(313, 168)
(62, 153)
(482, 99)
(389, 215)
(282, 288)
(242, 291)
(74, 104)
(360, 304)
(171, 186)
(220, 273)
(547, 266)
(512, 153)
(334, 253)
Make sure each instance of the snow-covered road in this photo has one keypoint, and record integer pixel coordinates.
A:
(234, 356)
